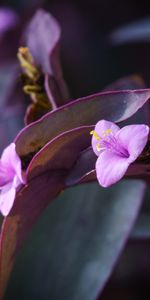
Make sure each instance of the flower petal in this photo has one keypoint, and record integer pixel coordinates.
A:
(16, 182)
(133, 138)
(110, 168)
(7, 197)
(3, 177)
(101, 127)
(11, 160)
(7, 154)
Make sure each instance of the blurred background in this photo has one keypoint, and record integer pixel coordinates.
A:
(91, 60)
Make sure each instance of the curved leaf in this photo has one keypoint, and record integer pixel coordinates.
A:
(29, 203)
(32, 199)
(76, 243)
(114, 106)
(132, 82)
(83, 169)
(61, 152)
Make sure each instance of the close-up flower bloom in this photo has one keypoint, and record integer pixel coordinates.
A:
(116, 149)
(10, 178)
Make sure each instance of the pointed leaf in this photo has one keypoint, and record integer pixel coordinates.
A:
(113, 106)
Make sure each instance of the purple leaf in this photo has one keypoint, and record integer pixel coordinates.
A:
(29, 203)
(61, 152)
(83, 233)
(113, 106)
(83, 169)
(40, 190)
(126, 83)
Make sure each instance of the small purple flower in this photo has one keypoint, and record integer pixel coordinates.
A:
(10, 178)
(116, 149)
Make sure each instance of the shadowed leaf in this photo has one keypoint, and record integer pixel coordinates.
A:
(29, 204)
(81, 169)
(76, 243)
(138, 31)
(61, 152)
(126, 83)
(84, 169)
(33, 198)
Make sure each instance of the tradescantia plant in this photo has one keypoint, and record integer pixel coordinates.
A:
(54, 152)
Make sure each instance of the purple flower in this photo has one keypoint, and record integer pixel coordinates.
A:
(116, 149)
(10, 178)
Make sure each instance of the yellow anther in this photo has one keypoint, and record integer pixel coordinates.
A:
(29, 89)
(27, 63)
(23, 50)
(97, 137)
(98, 147)
(107, 132)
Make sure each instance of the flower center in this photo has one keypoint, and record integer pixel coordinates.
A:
(109, 141)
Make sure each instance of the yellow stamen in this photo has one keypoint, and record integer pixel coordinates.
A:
(107, 132)
(27, 63)
(23, 50)
(97, 137)
(28, 89)
(98, 147)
